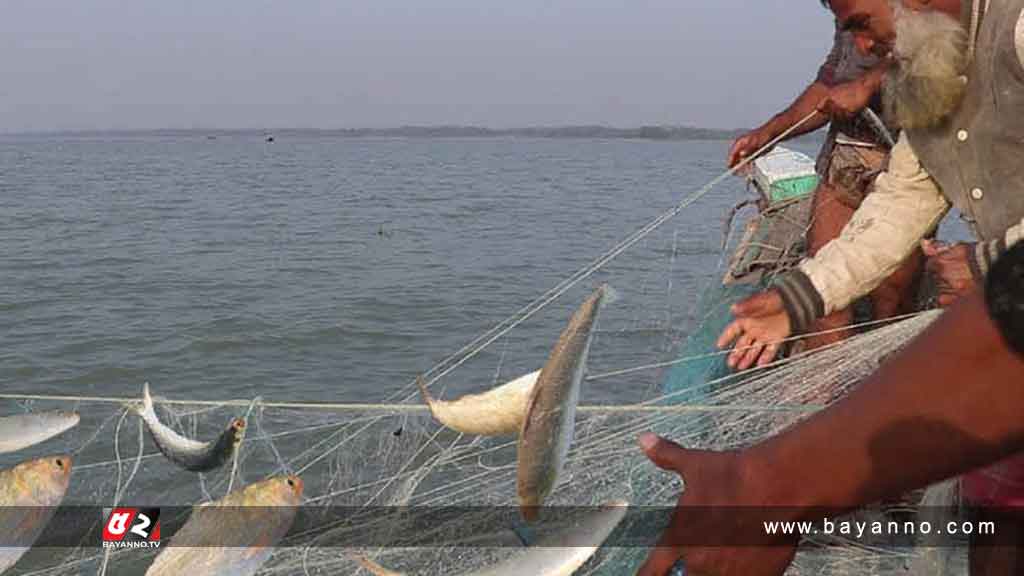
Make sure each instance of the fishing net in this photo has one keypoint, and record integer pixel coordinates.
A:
(370, 461)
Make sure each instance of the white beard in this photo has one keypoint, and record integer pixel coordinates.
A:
(925, 83)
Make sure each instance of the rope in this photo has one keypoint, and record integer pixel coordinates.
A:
(402, 408)
(696, 357)
(409, 408)
(526, 312)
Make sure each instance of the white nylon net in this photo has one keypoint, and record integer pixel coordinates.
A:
(399, 456)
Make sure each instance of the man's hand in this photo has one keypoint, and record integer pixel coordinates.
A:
(846, 100)
(746, 145)
(950, 265)
(760, 327)
(706, 521)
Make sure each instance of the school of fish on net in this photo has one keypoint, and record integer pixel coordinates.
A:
(523, 441)
(241, 540)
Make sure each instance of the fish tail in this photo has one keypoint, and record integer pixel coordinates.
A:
(611, 295)
(145, 406)
(421, 383)
(147, 400)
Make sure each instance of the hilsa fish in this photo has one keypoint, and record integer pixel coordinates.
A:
(24, 430)
(29, 495)
(540, 407)
(186, 453)
(497, 412)
(550, 418)
(235, 535)
(558, 555)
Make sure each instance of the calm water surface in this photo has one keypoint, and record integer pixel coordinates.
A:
(328, 269)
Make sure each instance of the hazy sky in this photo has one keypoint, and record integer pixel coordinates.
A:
(122, 64)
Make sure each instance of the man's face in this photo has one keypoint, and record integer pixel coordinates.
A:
(870, 21)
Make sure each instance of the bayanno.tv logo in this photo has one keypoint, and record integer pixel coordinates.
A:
(131, 527)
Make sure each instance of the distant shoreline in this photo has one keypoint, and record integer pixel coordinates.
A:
(663, 133)
(443, 131)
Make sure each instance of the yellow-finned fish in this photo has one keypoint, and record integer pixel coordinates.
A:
(29, 495)
(235, 535)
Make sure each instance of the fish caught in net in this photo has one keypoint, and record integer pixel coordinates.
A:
(359, 474)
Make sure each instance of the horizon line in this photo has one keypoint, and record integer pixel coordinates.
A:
(395, 128)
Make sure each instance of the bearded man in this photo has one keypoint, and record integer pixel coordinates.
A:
(854, 153)
(956, 86)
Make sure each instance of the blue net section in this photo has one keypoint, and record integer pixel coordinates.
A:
(686, 381)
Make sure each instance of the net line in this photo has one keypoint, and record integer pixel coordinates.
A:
(386, 407)
(434, 467)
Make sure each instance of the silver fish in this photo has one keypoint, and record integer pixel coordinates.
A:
(559, 555)
(24, 430)
(187, 453)
(930, 557)
(247, 522)
(496, 412)
(29, 495)
(550, 420)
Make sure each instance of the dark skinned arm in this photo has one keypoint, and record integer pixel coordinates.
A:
(824, 95)
(841, 101)
(807, 102)
(958, 391)
(950, 402)
(847, 100)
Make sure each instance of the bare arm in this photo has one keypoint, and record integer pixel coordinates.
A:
(807, 102)
(842, 100)
(950, 402)
(888, 226)
(957, 391)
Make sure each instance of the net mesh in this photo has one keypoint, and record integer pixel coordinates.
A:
(400, 456)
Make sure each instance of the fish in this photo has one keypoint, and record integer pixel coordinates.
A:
(24, 430)
(233, 536)
(930, 557)
(186, 453)
(29, 495)
(550, 418)
(497, 412)
(560, 554)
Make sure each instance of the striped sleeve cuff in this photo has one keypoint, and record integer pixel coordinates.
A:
(985, 254)
(802, 301)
